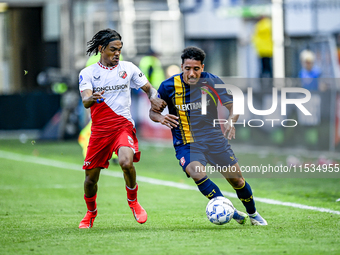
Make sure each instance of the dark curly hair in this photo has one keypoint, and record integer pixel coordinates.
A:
(103, 38)
(194, 53)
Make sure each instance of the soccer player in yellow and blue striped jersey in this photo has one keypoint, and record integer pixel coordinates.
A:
(195, 139)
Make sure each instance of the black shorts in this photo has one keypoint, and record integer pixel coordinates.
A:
(217, 153)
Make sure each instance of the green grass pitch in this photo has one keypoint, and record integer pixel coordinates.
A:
(41, 206)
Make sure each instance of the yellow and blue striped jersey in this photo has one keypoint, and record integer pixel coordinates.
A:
(184, 101)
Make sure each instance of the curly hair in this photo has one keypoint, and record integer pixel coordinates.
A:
(194, 53)
(103, 38)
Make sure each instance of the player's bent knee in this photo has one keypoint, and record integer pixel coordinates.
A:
(92, 176)
(90, 182)
(196, 175)
(126, 164)
(236, 182)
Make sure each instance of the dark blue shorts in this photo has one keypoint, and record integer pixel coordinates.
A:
(215, 153)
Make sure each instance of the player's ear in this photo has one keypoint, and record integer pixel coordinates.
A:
(202, 67)
(100, 47)
(182, 67)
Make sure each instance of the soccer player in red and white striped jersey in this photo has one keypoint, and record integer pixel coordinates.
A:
(105, 88)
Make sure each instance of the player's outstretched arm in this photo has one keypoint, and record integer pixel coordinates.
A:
(157, 104)
(168, 120)
(230, 130)
(89, 98)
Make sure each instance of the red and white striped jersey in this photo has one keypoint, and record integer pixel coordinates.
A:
(117, 82)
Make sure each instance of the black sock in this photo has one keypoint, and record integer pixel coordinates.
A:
(208, 188)
(245, 194)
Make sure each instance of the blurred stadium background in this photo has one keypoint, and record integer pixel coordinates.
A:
(43, 45)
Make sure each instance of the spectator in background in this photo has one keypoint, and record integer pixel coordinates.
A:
(262, 39)
(309, 73)
(309, 76)
(338, 47)
(151, 66)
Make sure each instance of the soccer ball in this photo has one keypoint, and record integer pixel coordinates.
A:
(220, 210)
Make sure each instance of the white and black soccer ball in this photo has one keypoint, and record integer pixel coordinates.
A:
(220, 210)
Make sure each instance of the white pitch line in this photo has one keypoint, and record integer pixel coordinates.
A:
(77, 167)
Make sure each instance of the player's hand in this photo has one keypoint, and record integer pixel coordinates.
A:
(169, 120)
(157, 104)
(229, 131)
(97, 97)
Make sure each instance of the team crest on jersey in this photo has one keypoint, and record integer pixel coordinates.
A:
(204, 90)
(122, 74)
(130, 140)
(182, 161)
